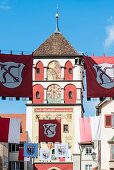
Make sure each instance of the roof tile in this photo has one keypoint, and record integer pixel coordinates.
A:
(55, 45)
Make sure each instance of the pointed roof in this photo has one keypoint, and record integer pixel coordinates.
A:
(56, 45)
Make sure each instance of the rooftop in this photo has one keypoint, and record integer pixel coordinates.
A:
(56, 45)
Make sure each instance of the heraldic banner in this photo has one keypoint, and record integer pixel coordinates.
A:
(61, 150)
(99, 76)
(16, 75)
(31, 149)
(50, 130)
(45, 155)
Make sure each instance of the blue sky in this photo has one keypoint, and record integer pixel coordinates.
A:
(87, 24)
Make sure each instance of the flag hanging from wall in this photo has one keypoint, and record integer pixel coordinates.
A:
(9, 130)
(21, 155)
(90, 129)
(61, 150)
(50, 130)
(16, 75)
(45, 155)
(99, 76)
(31, 149)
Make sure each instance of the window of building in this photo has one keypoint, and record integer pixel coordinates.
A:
(70, 70)
(37, 95)
(88, 150)
(112, 152)
(109, 120)
(16, 165)
(15, 147)
(88, 167)
(66, 128)
(38, 71)
(70, 95)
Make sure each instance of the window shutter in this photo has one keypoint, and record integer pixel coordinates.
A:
(108, 120)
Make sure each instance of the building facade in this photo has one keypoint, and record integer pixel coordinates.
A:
(106, 146)
(10, 153)
(58, 75)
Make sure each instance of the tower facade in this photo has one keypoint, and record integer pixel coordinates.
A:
(58, 75)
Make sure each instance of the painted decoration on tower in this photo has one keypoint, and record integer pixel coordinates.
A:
(31, 149)
(61, 150)
(100, 76)
(45, 155)
(50, 130)
(54, 71)
(16, 75)
(54, 94)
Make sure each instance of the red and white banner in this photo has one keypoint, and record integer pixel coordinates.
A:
(90, 129)
(50, 130)
(99, 76)
(16, 75)
(9, 130)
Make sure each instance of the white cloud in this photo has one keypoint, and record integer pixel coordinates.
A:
(110, 36)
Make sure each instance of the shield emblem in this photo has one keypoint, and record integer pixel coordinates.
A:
(30, 150)
(50, 130)
(61, 150)
(105, 75)
(45, 155)
(11, 74)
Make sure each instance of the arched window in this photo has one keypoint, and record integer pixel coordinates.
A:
(70, 70)
(38, 71)
(37, 95)
(70, 95)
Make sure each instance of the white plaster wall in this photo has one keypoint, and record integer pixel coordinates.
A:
(107, 134)
(86, 159)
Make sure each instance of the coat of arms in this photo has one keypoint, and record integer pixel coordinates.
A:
(10, 74)
(105, 75)
(50, 130)
(30, 150)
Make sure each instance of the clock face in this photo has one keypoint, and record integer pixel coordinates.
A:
(54, 94)
(54, 71)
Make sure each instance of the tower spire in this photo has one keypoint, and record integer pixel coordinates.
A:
(57, 16)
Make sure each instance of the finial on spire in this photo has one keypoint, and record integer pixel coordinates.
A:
(57, 16)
